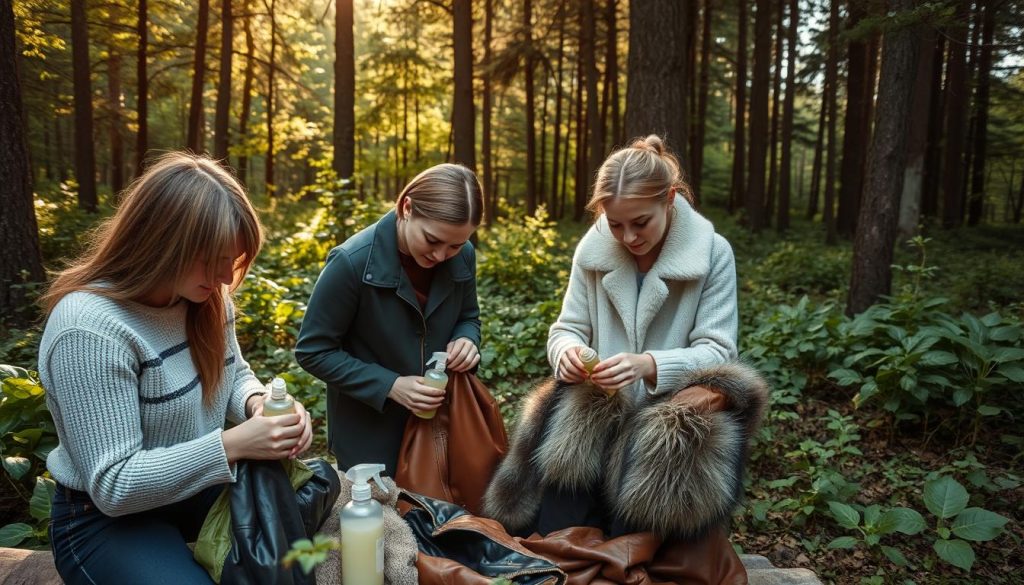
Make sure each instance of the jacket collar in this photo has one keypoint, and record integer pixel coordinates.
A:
(384, 268)
(686, 255)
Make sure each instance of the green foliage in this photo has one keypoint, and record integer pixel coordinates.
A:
(523, 259)
(310, 553)
(947, 500)
(27, 435)
(795, 271)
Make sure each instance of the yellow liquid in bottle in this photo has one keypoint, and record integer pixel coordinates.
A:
(435, 379)
(362, 552)
(280, 407)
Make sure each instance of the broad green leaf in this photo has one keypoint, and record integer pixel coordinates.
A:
(843, 542)
(1013, 372)
(978, 524)
(961, 396)
(903, 520)
(12, 534)
(945, 497)
(872, 539)
(846, 516)
(938, 358)
(894, 555)
(1007, 333)
(986, 410)
(955, 552)
(39, 505)
(871, 514)
(845, 377)
(17, 466)
(1008, 354)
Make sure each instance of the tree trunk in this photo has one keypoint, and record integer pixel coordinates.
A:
(736, 191)
(656, 72)
(773, 141)
(759, 116)
(580, 184)
(917, 139)
(611, 76)
(248, 78)
(933, 151)
(85, 157)
(531, 137)
(819, 147)
(854, 140)
(557, 138)
(595, 128)
(488, 112)
(692, 20)
(785, 170)
(142, 80)
(344, 91)
(876, 233)
(116, 121)
(221, 126)
(832, 87)
(574, 91)
(957, 92)
(462, 107)
(195, 111)
(697, 156)
(268, 175)
(981, 127)
(20, 260)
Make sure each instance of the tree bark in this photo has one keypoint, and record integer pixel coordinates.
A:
(957, 92)
(736, 190)
(268, 175)
(222, 114)
(581, 182)
(917, 139)
(697, 156)
(656, 72)
(611, 76)
(876, 233)
(785, 167)
(116, 121)
(344, 91)
(487, 115)
(773, 141)
(854, 140)
(557, 138)
(933, 151)
(85, 156)
(463, 117)
(195, 111)
(832, 87)
(531, 136)
(142, 80)
(20, 260)
(248, 78)
(595, 128)
(759, 116)
(819, 147)
(977, 198)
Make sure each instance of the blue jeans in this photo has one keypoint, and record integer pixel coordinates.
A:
(149, 547)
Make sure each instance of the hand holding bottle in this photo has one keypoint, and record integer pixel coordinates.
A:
(412, 393)
(571, 368)
(262, 437)
(623, 369)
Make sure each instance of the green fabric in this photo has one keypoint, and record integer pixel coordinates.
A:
(214, 542)
(364, 327)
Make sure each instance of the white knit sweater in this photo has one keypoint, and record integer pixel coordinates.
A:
(684, 315)
(126, 399)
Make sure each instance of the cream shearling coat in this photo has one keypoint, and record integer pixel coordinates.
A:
(685, 316)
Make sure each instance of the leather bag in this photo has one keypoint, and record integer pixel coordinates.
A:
(453, 455)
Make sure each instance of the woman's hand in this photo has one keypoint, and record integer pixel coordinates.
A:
(266, 437)
(462, 355)
(570, 368)
(306, 439)
(412, 393)
(623, 369)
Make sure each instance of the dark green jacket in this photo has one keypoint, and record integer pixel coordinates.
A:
(363, 328)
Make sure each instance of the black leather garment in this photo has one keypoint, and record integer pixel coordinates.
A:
(267, 516)
(439, 534)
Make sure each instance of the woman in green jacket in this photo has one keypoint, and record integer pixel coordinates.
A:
(388, 298)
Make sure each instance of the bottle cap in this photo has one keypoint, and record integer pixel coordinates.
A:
(278, 388)
(440, 359)
(360, 475)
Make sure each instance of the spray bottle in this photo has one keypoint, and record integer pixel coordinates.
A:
(362, 529)
(280, 402)
(435, 378)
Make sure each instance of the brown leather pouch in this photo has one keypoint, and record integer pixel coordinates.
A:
(453, 455)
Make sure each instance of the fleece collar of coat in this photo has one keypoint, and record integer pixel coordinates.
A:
(384, 268)
(686, 255)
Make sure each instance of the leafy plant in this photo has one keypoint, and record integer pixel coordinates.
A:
(873, 525)
(947, 499)
(310, 553)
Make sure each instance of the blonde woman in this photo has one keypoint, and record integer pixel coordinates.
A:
(142, 369)
(388, 298)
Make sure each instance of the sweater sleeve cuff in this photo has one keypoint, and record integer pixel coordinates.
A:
(670, 368)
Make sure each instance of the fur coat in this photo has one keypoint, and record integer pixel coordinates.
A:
(660, 464)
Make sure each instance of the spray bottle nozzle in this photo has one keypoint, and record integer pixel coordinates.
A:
(360, 475)
(439, 359)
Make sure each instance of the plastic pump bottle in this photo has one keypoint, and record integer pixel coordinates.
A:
(280, 401)
(362, 529)
(435, 378)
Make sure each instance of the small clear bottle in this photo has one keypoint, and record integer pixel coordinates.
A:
(280, 402)
(435, 378)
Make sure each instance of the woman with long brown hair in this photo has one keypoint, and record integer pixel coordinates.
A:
(142, 369)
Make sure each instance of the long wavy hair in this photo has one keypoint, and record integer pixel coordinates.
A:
(183, 208)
